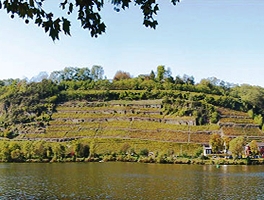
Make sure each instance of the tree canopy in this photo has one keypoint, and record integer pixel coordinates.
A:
(236, 146)
(216, 142)
(87, 11)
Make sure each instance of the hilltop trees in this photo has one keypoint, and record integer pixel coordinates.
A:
(88, 13)
(160, 73)
(97, 72)
(71, 74)
(251, 94)
(121, 75)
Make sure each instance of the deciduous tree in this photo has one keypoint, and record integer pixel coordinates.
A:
(160, 72)
(120, 75)
(97, 72)
(216, 142)
(254, 147)
(236, 146)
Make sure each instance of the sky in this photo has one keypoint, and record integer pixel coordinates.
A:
(209, 38)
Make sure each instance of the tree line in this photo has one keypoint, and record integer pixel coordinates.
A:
(236, 146)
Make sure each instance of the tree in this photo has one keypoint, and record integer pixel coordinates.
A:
(70, 74)
(80, 150)
(216, 142)
(254, 147)
(226, 142)
(120, 75)
(188, 79)
(251, 114)
(88, 13)
(40, 149)
(258, 119)
(251, 94)
(152, 75)
(160, 72)
(236, 146)
(58, 150)
(214, 117)
(97, 72)
(178, 80)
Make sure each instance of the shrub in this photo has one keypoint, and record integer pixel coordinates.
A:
(144, 152)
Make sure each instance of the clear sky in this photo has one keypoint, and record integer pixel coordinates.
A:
(209, 38)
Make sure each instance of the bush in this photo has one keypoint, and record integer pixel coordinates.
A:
(144, 152)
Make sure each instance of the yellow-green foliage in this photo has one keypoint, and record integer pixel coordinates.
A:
(237, 120)
(240, 131)
(75, 122)
(107, 107)
(102, 146)
(108, 121)
(200, 137)
(229, 112)
(82, 115)
(141, 102)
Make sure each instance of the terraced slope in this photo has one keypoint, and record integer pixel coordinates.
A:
(144, 120)
(126, 120)
(235, 123)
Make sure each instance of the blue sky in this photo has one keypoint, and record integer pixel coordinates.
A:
(209, 38)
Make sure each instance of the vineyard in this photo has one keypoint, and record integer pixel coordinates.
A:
(143, 120)
(242, 131)
(119, 119)
(235, 123)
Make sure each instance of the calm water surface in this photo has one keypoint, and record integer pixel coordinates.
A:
(129, 181)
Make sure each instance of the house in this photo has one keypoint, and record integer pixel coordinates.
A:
(207, 150)
(260, 148)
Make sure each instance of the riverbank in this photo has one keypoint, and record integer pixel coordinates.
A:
(152, 159)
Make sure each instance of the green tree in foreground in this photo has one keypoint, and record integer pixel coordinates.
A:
(254, 147)
(216, 142)
(236, 146)
(88, 13)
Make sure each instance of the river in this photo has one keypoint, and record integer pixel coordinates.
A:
(116, 180)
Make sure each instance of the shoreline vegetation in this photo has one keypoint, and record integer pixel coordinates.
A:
(113, 150)
(150, 159)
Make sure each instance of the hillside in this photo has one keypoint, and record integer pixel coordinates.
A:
(136, 120)
(159, 115)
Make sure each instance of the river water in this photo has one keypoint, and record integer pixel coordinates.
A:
(116, 180)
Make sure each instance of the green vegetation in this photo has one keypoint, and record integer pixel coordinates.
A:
(236, 146)
(216, 142)
(149, 113)
(91, 150)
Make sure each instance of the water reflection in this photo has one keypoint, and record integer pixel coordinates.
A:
(129, 181)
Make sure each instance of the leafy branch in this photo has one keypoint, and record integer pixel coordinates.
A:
(88, 13)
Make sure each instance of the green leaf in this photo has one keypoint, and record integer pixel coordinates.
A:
(66, 26)
(38, 21)
(31, 3)
(156, 8)
(54, 34)
(70, 7)
(174, 2)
